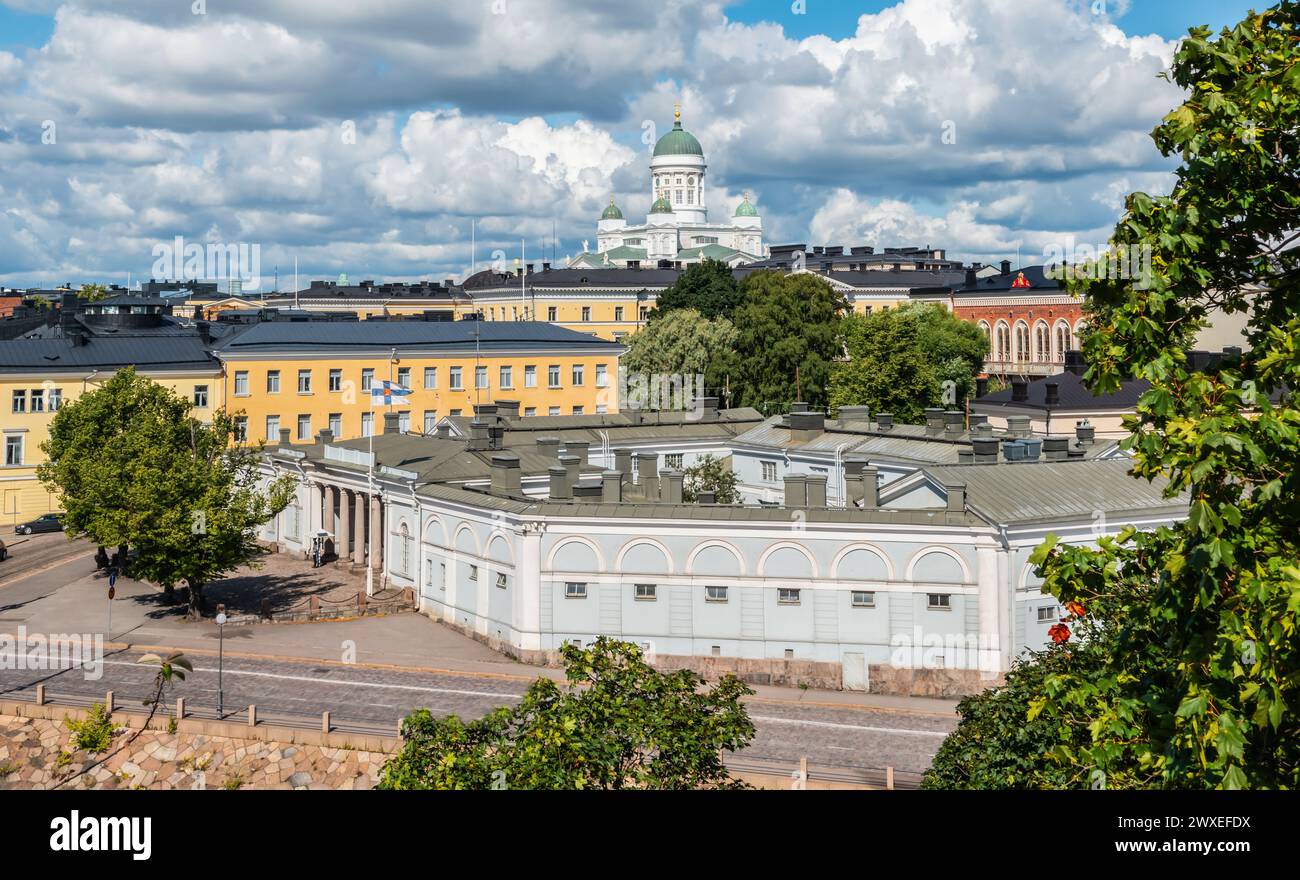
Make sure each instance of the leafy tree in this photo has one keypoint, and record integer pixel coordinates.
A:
(899, 360)
(682, 342)
(788, 336)
(618, 724)
(711, 474)
(92, 292)
(1199, 673)
(707, 287)
(134, 468)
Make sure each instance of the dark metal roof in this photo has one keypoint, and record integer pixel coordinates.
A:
(144, 352)
(575, 278)
(486, 335)
(1074, 395)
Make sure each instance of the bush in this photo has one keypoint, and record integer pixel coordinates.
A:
(95, 733)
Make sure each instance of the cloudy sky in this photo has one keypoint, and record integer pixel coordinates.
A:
(369, 138)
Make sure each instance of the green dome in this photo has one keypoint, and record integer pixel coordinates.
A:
(678, 142)
(612, 212)
(745, 209)
(661, 206)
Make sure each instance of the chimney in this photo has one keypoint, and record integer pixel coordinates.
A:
(933, 421)
(485, 411)
(285, 434)
(77, 337)
(805, 426)
(623, 463)
(1053, 396)
(708, 408)
(956, 497)
(443, 432)
(497, 436)
(325, 436)
(1085, 432)
(706, 497)
(549, 446)
(954, 422)
(816, 493)
(479, 440)
(647, 468)
(573, 466)
(505, 474)
(799, 406)
(852, 490)
(1056, 448)
(508, 409)
(1018, 426)
(1074, 363)
(204, 330)
(885, 421)
(855, 414)
(611, 486)
(561, 488)
(671, 483)
(796, 490)
(592, 491)
(1019, 390)
(981, 386)
(985, 450)
(1006, 267)
(970, 278)
(391, 424)
(977, 419)
(578, 448)
(870, 488)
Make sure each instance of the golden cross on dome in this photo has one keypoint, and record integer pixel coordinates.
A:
(677, 112)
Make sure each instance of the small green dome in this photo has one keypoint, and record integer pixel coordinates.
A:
(612, 212)
(679, 141)
(661, 206)
(745, 209)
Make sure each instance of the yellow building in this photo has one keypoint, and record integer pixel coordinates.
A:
(38, 376)
(304, 377)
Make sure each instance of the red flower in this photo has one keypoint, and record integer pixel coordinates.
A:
(1074, 608)
(1060, 633)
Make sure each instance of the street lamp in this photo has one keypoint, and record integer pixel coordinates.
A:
(221, 644)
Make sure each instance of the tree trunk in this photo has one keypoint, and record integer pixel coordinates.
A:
(169, 594)
(121, 555)
(196, 600)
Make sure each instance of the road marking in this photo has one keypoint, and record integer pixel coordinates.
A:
(899, 730)
(28, 575)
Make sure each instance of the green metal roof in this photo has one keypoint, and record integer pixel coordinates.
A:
(624, 252)
(612, 212)
(661, 206)
(745, 209)
(678, 142)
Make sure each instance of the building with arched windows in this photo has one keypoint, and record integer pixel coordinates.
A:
(678, 227)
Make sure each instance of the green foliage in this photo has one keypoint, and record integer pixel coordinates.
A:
(92, 292)
(711, 474)
(1199, 670)
(707, 287)
(681, 342)
(618, 724)
(788, 337)
(134, 468)
(95, 732)
(899, 360)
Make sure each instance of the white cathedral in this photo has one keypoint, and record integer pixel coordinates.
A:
(677, 228)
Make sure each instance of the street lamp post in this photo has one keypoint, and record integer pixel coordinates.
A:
(112, 589)
(221, 645)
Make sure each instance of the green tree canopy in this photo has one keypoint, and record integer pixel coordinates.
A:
(1198, 678)
(788, 336)
(711, 474)
(92, 292)
(707, 287)
(684, 343)
(618, 724)
(133, 467)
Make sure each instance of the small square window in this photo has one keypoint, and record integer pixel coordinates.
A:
(715, 594)
(1048, 614)
(473, 572)
(864, 599)
(789, 653)
(787, 596)
(575, 591)
(717, 651)
(939, 601)
(501, 580)
(645, 592)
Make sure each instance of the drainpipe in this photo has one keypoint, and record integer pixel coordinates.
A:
(839, 470)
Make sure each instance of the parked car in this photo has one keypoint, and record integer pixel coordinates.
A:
(4, 551)
(48, 522)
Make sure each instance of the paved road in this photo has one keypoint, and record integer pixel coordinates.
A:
(31, 553)
(827, 735)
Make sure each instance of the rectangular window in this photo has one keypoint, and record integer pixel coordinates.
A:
(939, 601)
(551, 313)
(241, 383)
(715, 594)
(530, 411)
(430, 377)
(553, 411)
(578, 410)
(553, 376)
(601, 409)
(367, 379)
(787, 596)
(575, 591)
(769, 472)
(674, 461)
(530, 377)
(480, 377)
(586, 313)
(579, 374)
(455, 413)
(273, 382)
(336, 380)
(38, 400)
(336, 425)
(241, 429)
(506, 378)
(13, 450)
(864, 599)
(645, 592)
(304, 427)
(404, 421)
(1048, 614)
(618, 313)
(304, 381)
(367, 424)
(456, 382)
(430, 421)
(20, 401)
(272, 429)
(602, 375)
(644, 312)
(56, 399)
(201, 396)
(473, 572)
(501, 580)
(404, 377)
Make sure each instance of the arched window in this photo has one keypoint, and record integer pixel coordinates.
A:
(1042, 343)
(1064, 340)
(1022, 342)
(1002, 343)
(405, 537)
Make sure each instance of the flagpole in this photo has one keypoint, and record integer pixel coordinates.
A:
(370, 479)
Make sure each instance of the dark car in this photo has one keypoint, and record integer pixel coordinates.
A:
(49, 522)
(4, 551)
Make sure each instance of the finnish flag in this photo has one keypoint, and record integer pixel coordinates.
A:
(388, 393)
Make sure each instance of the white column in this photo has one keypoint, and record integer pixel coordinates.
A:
(993, 639)
(528, 581)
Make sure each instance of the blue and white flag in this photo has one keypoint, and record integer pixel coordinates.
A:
(388, 393)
